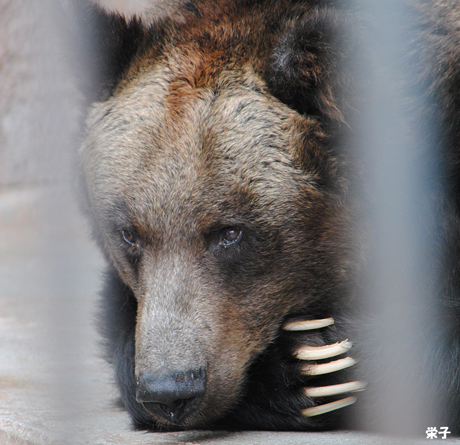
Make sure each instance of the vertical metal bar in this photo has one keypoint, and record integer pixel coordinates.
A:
(398, 287)
(67, 309)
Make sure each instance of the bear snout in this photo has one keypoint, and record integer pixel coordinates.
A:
(172, 396)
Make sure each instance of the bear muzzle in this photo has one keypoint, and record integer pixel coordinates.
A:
(172, 396)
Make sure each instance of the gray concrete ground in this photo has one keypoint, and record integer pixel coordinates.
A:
(54, 388)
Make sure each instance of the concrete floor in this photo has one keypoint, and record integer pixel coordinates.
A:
(54, 389)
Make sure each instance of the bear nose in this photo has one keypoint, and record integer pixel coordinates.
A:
(172, 396)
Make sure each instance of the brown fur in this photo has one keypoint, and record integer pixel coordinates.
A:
(177, 200)
(228, 116)
(189, 143)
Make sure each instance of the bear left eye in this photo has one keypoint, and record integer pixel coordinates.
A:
(231, 236)
(129, 237)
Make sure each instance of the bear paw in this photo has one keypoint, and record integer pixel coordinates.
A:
(315, 362)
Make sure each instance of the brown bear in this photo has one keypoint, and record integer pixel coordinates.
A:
(217, 178)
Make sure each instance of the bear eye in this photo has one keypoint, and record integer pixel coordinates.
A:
(231, 236)
(129, 237)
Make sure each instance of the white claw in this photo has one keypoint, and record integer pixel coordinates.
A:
(326, 368)
(333, 390)
(328, 407)
(308, 325)
(320, 352)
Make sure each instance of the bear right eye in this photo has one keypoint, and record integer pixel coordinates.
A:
(231, 235)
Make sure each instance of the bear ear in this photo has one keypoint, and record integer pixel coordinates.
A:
(306, 69)
(102, 46)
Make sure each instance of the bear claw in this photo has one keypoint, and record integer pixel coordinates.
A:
(333, 390)
(321, 352)
(328, 407)
(326, 368)
(307, 325)
(306, 353)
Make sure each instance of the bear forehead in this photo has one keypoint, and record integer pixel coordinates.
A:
(235, 139)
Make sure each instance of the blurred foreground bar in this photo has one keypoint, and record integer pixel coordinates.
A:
(399, 285)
